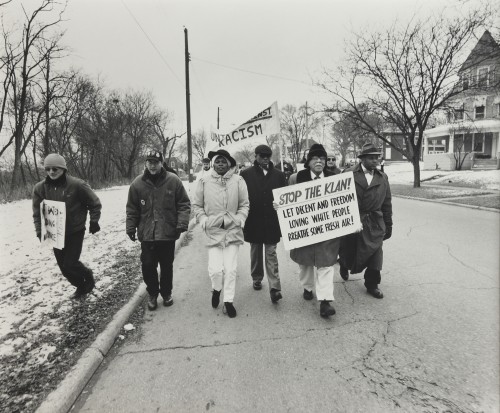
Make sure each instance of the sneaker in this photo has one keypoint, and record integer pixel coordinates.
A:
(308, 295)
(167, 302)
(257, 285)
(215, 298)
(231, 311)
(275, 295)
(152, 302)
(325, 309)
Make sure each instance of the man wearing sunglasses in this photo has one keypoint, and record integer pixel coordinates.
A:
(79, 199)
(158, 208)
(331, 165)
(262, 229)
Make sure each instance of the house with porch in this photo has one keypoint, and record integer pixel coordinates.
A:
(467, 136)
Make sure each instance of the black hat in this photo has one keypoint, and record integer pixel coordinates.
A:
(316, 150)
(263, 150)
(369, 149)
(153, 155)
(224, 153)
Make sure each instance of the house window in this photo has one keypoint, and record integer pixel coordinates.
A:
(437, 146)
(465, 80)
(479, 112)
(172, 165)
(478, 142)
(458, 114)
(483, 76)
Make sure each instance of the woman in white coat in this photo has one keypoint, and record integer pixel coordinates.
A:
(221, 207)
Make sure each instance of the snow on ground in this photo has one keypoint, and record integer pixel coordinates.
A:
(402, 173)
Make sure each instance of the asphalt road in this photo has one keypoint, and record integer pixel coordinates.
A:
(430, 345)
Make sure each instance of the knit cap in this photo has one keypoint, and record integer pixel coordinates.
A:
(54, 160)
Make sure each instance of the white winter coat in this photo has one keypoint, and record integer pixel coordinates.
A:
(221, 207)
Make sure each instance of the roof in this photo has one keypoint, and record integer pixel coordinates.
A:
(485, 49)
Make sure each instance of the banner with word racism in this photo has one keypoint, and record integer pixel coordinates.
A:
(53, 217)
(318, 210)
(250, 133)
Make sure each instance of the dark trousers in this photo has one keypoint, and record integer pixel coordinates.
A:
(154, 253)
(372, 278)
(68, 259)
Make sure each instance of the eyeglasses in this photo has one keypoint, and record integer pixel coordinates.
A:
(331, 159)
(51, 169)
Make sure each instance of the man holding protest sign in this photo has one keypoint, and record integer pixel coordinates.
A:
(262, 228)
(364, 249)
(316, 261)
(76, 198)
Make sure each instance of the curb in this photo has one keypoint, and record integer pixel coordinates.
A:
(448, 203)
(69, 389)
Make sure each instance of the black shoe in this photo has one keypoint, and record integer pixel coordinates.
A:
(257, 285)
(275, 295)
(152, 302)
(79, 293)
(215, 298)
(375, 292)
(308, 295)
(231, 311)
(325, 309)
(167, 302)
(344, 273)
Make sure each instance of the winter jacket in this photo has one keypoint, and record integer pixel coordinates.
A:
(160, 210)
(221, 207)
(364, 249)
(75, 193)
(321, 254)
(262, 225)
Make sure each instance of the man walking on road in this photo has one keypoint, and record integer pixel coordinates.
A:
(158, 207)
(316, 261)
(262, 228)
(364, 249)
(79, 199)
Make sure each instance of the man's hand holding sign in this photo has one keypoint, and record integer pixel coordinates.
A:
(316, 211)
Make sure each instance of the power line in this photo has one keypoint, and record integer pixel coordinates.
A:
(252, 72)
(152, 44)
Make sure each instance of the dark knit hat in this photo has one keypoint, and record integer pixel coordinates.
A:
(224, 153)
(316, 150)
(205, 160)
(54, 160)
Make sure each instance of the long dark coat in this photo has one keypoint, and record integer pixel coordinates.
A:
(364, 249)
(321, 254)
(262, 226)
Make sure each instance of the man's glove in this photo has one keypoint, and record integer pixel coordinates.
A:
(179, 231)
(94, 227)
(131, 235)
(388, 233)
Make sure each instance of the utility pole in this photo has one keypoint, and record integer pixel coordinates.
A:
(307, 128)
(188, 108)
(218, 117)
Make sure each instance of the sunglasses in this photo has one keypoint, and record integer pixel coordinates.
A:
(331, 159)
(51, 169)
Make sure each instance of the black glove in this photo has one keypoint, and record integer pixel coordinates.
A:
(131, 235)
(388, 233)
(94, 227)
(179, 231)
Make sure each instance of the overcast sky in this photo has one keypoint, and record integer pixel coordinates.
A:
(244, 54)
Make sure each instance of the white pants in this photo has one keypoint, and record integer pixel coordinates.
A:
(222, 266)
(320, 278)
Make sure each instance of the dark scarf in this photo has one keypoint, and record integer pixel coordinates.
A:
(56, 182)
(154, 178)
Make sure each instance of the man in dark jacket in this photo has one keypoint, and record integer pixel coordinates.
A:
(316, 261)
(364, 249)
(158, 207)
(262, 228)
(79, 199)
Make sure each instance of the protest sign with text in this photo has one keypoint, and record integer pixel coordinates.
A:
(251, 133)
(318, 210)
(53, 217)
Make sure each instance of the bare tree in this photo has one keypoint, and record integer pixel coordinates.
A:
(199, 144)
(402, 76)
